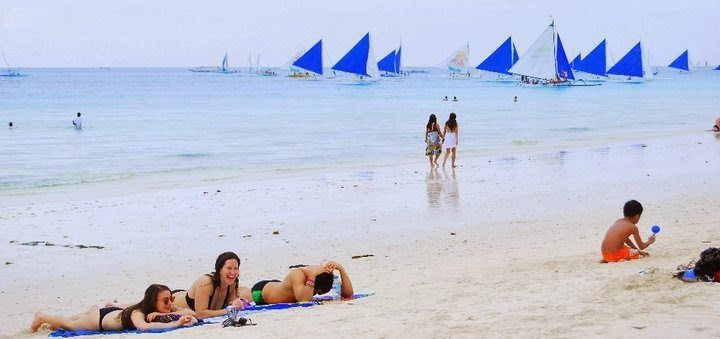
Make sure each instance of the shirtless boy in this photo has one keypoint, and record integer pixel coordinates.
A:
(617, 245)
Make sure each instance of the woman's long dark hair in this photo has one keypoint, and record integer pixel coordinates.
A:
(431, 122)
(146, 306)
(451, 123)
(219, 263)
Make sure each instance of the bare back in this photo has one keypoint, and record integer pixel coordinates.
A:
(617, 235)
(285, 291)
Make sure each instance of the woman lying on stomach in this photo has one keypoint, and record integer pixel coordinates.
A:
(157, 305)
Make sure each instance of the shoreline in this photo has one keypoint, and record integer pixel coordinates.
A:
(133, 183)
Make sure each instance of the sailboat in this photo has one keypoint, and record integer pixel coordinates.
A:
(545, 62)
(224, 68)
(501, 60)
(594, 66)
(718, 68)
(308, 64)
(360, 61)
(682, 62)
(9, 71)
(390, 64)
(457, 63)
(635, 65)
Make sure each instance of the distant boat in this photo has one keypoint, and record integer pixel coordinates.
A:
(224, 68)
(309, 63)
(682, 62)
(390, 64)
(9, 71)
(360, 60)
(635, 64)
(594, 63)
(545, 62)
(457, 63)
(717, 68)
(501, 60)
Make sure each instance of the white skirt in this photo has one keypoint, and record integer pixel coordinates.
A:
(450, 140)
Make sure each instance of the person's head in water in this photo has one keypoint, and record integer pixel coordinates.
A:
(227, 269)
(10, 124)
(432, 121)
(454, 98)
(633, 210)
(323, 283)
(78, 114)
(515, 98)
(445, 98)
(451, 122)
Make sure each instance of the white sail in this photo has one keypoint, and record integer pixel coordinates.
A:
(458, 61)
(539, 60)
(646, 67)
(372, 67)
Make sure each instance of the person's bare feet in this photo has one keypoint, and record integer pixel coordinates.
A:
(454, 165)
(37, 322)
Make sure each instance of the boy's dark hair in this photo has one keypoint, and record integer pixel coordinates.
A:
(632, 208)
(323, 282)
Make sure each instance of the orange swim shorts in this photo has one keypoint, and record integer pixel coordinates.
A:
(625, 253)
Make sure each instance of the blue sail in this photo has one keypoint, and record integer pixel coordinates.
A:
(397, 59)
(563, 65)
(595, 62)
(681, 62)
(515, 55)
(630, 64)
(355, 61)
(501, 60)
(718, 68)
(387, 63)
(312, 59)
(576, 62)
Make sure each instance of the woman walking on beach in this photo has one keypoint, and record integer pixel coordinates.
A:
(210, 294)
(157, 305)
(433, 138)
(452, 137)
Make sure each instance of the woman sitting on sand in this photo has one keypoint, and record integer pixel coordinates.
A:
(156, 305)
(210, 294)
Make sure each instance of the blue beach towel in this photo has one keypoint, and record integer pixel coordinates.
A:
(217, 320)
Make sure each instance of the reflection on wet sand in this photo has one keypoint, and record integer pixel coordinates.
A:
(442, 190)
(434, 187)
(452, 191)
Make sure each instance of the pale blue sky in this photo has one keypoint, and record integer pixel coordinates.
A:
(127, 33)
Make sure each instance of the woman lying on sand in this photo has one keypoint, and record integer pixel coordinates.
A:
(210, 294)
(157, 304)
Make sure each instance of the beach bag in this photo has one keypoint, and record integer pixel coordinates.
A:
(707, 268)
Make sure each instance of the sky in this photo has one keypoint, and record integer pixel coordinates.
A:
(183, 33)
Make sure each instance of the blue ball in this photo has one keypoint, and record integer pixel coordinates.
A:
(656, 229)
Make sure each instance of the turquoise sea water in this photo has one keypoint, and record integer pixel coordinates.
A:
(142, 122)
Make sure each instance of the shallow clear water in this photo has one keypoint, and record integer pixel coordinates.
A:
(157, 121)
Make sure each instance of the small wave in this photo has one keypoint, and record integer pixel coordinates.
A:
(524, 142)
(193, 155)
(572, 129)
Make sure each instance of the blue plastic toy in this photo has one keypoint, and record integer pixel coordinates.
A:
(656, 229)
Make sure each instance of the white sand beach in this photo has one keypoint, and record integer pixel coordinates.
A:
(500, 247)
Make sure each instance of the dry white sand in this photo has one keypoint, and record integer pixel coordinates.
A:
(522, 262)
